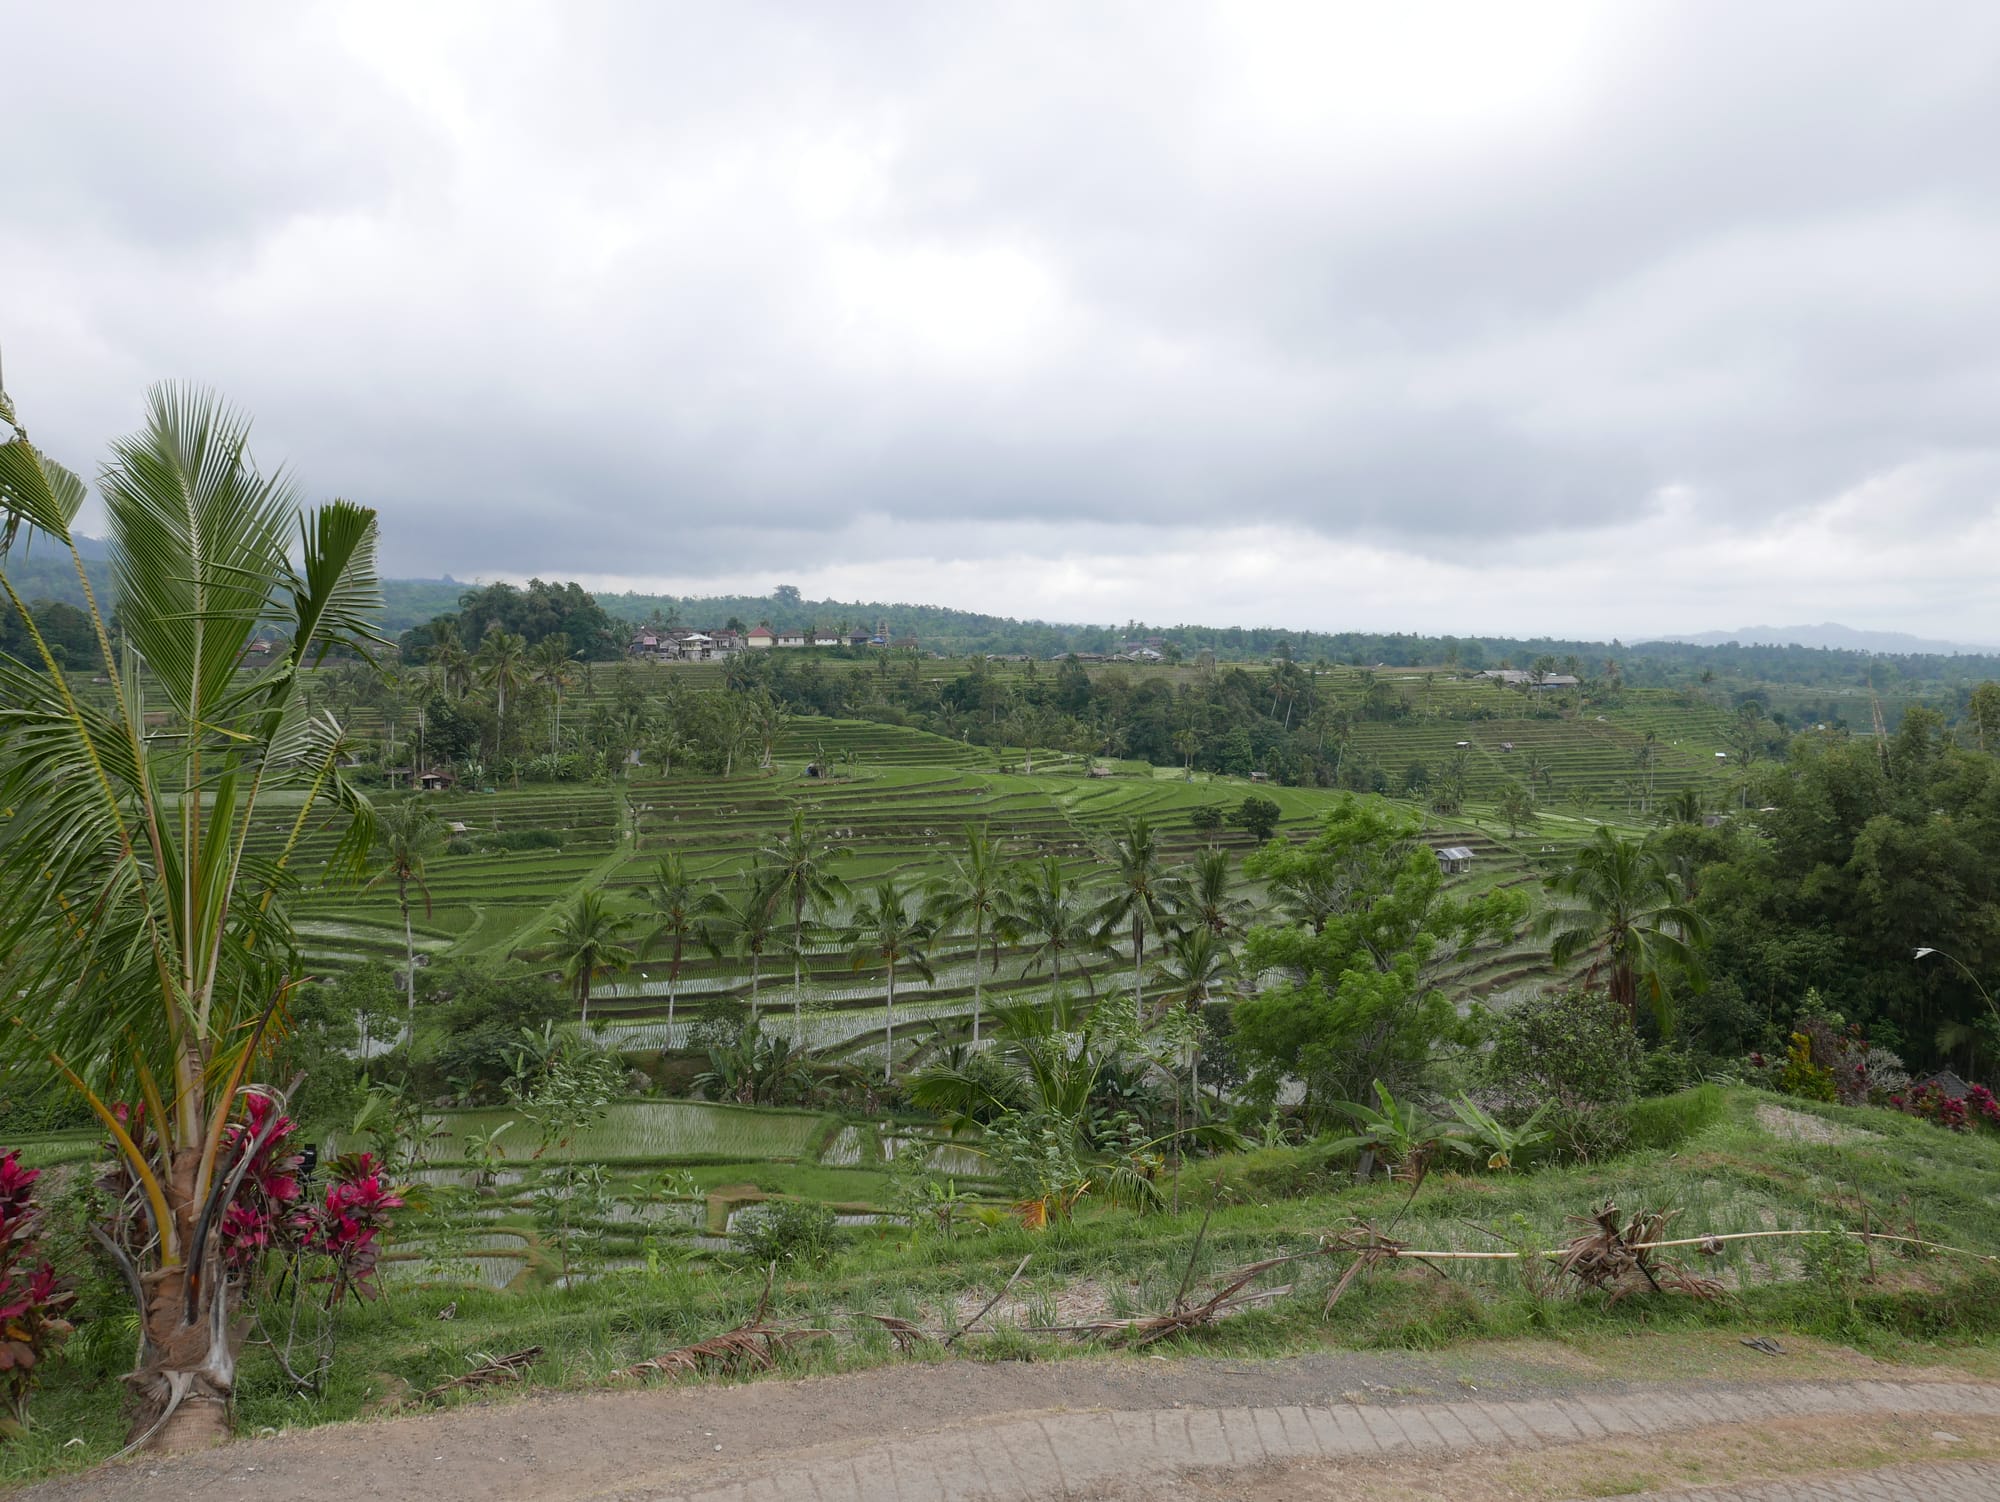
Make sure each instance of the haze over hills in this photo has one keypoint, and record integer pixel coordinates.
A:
(1834, 635)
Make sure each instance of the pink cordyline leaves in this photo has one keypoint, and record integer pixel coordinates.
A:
(271, 1213)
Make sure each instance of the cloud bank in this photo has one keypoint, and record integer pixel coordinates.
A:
(1545, 317)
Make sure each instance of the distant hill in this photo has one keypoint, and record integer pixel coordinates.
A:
(1833, 635)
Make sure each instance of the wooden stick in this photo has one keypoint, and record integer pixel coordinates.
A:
(988, 1309)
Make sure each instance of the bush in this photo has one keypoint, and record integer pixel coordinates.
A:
(1575, 1053)
(486, 1010)
(32, 1298)
(519, 839)
(791, 1232)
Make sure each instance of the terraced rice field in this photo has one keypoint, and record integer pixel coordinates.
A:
(897, 804)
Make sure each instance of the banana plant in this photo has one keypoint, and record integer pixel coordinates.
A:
(1501, 1143)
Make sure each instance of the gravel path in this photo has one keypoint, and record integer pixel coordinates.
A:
(1304, 1427)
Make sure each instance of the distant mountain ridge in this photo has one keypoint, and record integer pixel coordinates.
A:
(1833, 635)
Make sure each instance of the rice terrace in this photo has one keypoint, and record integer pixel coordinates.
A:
(996, 752)
(594, 1016)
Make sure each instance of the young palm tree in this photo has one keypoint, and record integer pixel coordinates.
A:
(799, 864)
(1142, 894)
(407, 835)
(589, 943)
(1052, 914)
(745, 923)
(1196, 962)
(144, 939)
(974, 888)
(1054, 1063)
(1620, 898)
(885, 932)
(681, 908)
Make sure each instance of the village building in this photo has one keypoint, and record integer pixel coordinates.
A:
(758, 638)
(791, 639)
(1454, 860)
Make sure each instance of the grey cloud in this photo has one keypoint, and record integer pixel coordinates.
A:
(564, 287)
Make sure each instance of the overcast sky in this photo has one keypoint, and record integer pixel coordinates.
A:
(1579, 319)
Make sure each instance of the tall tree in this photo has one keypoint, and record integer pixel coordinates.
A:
(144, 937)
(407, 835)
(887, 931)
(681, 909)
(589, 944)
(974, 889)
(799, 864)
(501, 663)
(447, 654)
(1142, 894)
(1355, 999)
(551, 667)
(745, 922)
(1619, 899)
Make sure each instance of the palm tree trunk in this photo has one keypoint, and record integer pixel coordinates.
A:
(798, 979)
(673, 982)
(1138, 961)
(889, 1027)
(583, 989)
(409, 955)
(753, 988)
(978, 943)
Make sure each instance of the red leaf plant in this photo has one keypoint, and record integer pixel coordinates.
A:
(32, 1297)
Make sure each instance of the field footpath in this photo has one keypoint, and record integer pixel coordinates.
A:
(1525, 1420)
(538, 919)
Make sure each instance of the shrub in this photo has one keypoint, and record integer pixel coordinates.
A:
(1801, 1076)
(32, 1298)
(1575, 1053)
(791, 1232)
(519, 839)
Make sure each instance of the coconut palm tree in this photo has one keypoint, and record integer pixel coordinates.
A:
(1143, 893)
(1208, 894)
(799, 864)
(589, 944)
(744, 925)
(974, 889)
(145, 942)
(407, 835)
(448, 656)
(550, 667)
(1051, 913)
(1197, 962)
(502, 665)
(887, 932)
(681, 909)
(1619, 899)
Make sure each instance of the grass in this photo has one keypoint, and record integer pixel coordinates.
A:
(1712, 1161)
